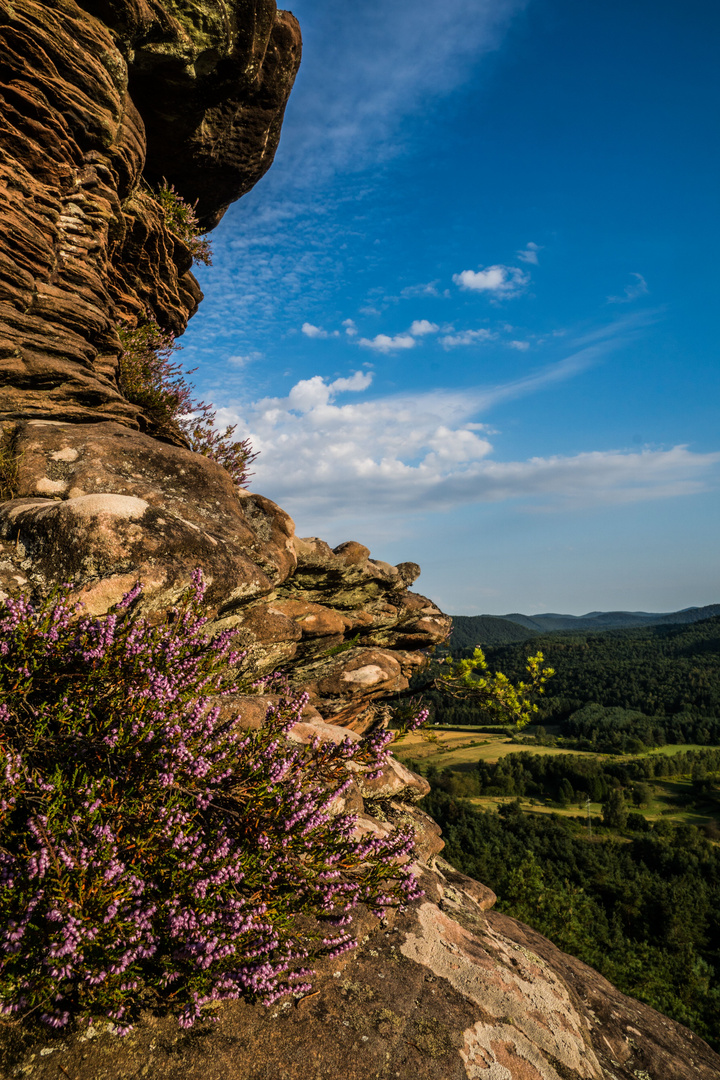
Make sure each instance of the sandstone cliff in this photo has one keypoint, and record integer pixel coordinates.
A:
(101, 100)
(84, 243)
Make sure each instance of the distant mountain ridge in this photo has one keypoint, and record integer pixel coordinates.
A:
(471, 630)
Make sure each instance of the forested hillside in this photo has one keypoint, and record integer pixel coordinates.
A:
(613, 620)
(471, 630)
(657, 684)
(611, 851)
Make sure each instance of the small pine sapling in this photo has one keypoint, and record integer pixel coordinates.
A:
(494, 694)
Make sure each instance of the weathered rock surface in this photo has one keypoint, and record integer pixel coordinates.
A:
(85, 246)
(447, 991)
(211, 80)
(100, 99)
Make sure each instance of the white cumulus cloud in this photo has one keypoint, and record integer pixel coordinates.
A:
(500, 281)
(326, 459)
(311, 394)
(359, 381)
(317, 331)
(384, 343)
(421, 327)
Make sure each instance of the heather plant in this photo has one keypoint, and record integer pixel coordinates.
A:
(9, 470)
(470, 679)
(181, 219)
(150, 378)
(151, 849)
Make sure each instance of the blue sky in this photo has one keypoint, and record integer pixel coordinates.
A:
(469, 316)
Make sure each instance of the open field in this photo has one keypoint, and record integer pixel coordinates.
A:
(491, 750)
(459, 747)
(675, 748)
(663, 806)
(453, 747)
(531, 805)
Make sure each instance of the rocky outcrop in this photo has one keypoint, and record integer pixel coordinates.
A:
(100, 101)
(211, 80)
(85, 246)
(103, 506)
(450, 990)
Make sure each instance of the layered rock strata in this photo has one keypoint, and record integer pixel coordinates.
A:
(85, 245)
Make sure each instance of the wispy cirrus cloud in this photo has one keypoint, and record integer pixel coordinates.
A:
(428, 289)
(529, 253)
(241, 360)
(633, 291)
(467, 337)
(367, 68)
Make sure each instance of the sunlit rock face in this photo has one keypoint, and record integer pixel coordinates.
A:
(102, 506)
(100, 102)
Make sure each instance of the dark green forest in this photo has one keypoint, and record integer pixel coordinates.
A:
(657, 670)
(629, 891)
(617, 691)
(471, 630)
(639, 906)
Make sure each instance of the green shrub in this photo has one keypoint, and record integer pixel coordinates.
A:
(149, 377)
(8, 473)
(181, 219)
(149, 847)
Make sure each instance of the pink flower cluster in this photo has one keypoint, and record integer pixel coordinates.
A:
(145, 841)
